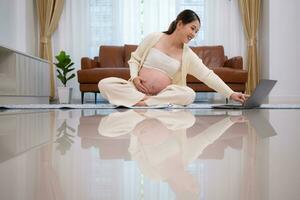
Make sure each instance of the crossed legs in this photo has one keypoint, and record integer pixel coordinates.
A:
(123, 93)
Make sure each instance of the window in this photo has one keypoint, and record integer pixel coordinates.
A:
(104, 20)
(100, 23)
(197, 6)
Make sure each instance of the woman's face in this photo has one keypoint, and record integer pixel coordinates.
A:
(188, 31)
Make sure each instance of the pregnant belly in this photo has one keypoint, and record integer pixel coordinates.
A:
(155, 80)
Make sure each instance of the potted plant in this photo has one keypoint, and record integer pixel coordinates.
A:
(63, 68)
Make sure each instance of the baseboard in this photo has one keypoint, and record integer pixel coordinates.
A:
(23, 100)
(278, 99)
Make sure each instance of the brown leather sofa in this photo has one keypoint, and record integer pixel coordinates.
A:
(113, 62)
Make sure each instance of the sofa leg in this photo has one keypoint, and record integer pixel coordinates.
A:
(82, 97)
(95, 97)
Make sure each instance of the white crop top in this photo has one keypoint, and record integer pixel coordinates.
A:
(161, 61)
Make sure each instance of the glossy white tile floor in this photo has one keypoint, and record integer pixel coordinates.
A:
(149, 154)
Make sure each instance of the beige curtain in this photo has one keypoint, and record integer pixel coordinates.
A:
(250, 11)
(49, 12)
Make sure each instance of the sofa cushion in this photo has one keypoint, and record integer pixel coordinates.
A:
(129, 48)
(201, 87)
(228, 75)
(97, 74)
(212, 56)
(111, 56)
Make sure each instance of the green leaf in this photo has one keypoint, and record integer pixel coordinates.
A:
(70, 77)
(70, 64)
(62, 79)
(69, 70)
(59, 73)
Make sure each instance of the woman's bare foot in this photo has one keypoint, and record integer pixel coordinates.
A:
(140, 103)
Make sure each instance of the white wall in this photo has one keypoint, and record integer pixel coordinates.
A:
(19, 25)
(280, 48)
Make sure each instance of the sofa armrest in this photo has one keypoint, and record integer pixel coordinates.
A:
(234, 62)
(87, 63)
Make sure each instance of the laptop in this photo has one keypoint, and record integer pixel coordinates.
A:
(256, 99)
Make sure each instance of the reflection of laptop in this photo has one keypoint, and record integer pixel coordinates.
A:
(262, 125)
(256, 99)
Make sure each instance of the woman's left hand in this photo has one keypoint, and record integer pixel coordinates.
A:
(240, 97)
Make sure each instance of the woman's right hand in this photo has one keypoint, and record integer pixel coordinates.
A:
(139, 84)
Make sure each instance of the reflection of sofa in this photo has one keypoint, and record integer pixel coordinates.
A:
(112, 61)
(109, 148)
(117, 147)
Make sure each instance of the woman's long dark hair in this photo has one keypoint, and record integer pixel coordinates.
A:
(186, 16)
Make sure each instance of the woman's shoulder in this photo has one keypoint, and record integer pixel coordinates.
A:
(190, 53)
(151, 38)
(188, 50)
(153, 35)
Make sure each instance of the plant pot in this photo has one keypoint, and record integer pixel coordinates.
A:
(64, 94)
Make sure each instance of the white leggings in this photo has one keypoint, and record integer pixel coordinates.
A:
(123, 93)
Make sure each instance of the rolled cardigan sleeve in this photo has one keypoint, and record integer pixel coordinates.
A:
(136, 56)
(207, 76)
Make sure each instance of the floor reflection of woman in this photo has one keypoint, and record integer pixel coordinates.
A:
(160, 145)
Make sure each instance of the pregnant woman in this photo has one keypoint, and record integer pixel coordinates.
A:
(159, 66)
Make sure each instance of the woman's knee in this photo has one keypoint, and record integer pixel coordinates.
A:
(103, 84)
(190, 96)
